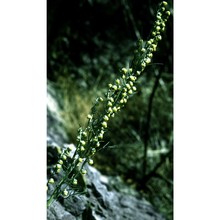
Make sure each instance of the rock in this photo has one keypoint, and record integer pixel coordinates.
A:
(55, 123)
(115, 205)
(102, 202)
(57, 212)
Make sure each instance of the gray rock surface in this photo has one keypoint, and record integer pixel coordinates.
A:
(102, 202)
(55, 123)
(57, 211)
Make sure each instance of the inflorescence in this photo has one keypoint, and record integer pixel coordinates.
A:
(72, 159)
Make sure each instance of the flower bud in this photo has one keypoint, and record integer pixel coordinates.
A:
(58, 170)
(104, 124)
(128, 86)
(100, 99)
(117, 81)
(168, 13)
(151, 49)
(84, 134)
(70, 147)
(93, 151)
(124, 94)
(100, 136)
(159, 37)
(164, 3)
(133, 78)
(51, 180)
(58, 150)
(83, 143)
(109, 110)
(131, 83)
(83, 171)
(65, 192)
(159, 17)
(150, 55)
(106, 118)
(115, 109)
(60, 162)
(143, 64)
(58, 166)
(109, 104)
(89, 116)
(114, 87)
(111, 99)
(130, 91)
(90, 161)
(64, 157)
(154, 47)
(157, 28)
(148, 60)
(124, 70)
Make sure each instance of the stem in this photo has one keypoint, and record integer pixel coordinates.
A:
(55, 193)
(146, 135)
(50, 200)
(128, 13)
(153, 173)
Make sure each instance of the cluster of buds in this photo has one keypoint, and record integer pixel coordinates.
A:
(159, 27)
(89, 140)
(144, 53)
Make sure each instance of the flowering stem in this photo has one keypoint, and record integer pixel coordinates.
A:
(89, 139)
